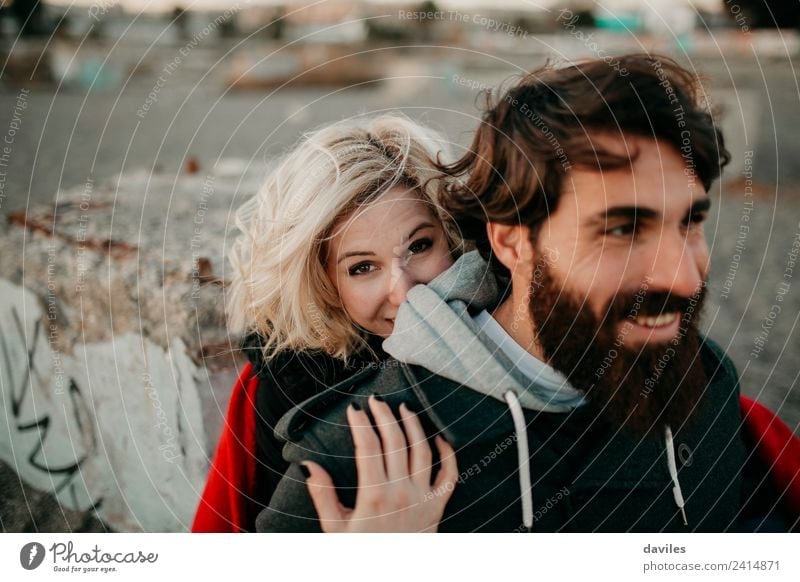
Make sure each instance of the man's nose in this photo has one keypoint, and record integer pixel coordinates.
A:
(678, 267)
(402, 279)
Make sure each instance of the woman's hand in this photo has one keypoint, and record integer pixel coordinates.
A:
(394, 476)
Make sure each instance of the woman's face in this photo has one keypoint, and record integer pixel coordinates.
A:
(382, 250)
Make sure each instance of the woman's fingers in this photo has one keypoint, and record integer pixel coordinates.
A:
(332, 515)
(420, 456)
(448, 470)
(395, 449)
(368, 451)
(388, 498)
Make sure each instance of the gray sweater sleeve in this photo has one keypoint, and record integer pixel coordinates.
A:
(291, 508)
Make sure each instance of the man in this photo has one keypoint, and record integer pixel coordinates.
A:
(582, 397)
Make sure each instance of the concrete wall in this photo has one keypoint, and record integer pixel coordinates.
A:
(114, 359)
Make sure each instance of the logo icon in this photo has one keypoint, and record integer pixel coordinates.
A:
(31, 555)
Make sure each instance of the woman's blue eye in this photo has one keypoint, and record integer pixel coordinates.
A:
(420, 246)
(360, 269)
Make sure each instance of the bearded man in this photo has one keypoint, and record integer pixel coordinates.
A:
(563, 359)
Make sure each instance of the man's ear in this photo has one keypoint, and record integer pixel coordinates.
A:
(511, 244)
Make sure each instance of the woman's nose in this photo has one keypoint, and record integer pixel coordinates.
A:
(402, 279)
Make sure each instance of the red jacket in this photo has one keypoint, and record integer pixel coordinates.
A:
(226, 505)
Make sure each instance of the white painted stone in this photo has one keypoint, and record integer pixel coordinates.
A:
(120, 422)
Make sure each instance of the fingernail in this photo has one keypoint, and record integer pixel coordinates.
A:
(411, 410)
(355, 406)
(378, 398)
(305, 470)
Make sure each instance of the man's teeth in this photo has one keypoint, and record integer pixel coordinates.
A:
(657, 320)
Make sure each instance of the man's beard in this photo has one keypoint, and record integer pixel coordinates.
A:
(641, 389)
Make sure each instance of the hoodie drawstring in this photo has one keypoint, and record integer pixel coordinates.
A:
(523, 461)
(523, 458)
(673, 473)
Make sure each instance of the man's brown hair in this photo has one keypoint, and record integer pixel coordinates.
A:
(542, 126)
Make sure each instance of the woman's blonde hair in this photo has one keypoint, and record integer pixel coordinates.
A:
(279, 287)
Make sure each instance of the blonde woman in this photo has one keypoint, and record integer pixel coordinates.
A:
(343, 227)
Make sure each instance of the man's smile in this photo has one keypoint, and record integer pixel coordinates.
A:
(654, 328)
(655, 321)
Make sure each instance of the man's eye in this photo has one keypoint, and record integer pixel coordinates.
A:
(622, 230)
(695, 220)
(360, 269)
(420, 246)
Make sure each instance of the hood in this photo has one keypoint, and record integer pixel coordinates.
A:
(434, 329)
